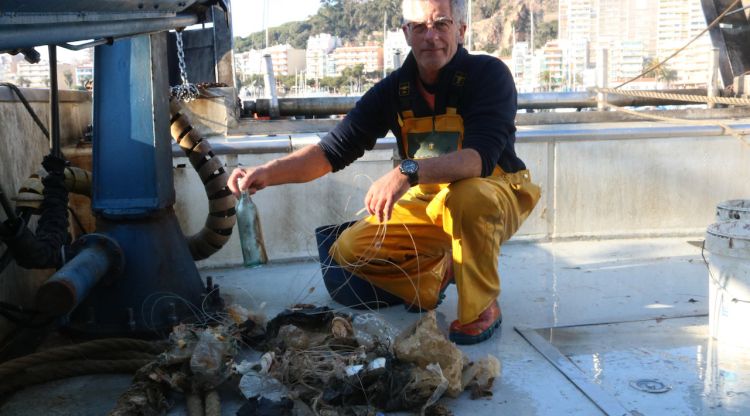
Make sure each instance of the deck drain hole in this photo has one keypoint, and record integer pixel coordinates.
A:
(649, 385)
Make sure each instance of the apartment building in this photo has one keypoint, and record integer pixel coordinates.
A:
(318, 55)
(553, 66)
(249, 63)
(84, 72)
(37, 75)
(678, 22)
(371, 56)
(286, 60)
(629, 28)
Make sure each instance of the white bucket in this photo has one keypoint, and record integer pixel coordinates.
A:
(728, 245)
(733, 210)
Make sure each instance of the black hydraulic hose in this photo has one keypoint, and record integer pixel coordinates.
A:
(11, 217)
(26, 104)
(7, 257)
(45, 249)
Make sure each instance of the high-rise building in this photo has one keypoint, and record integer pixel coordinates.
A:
(627, 28)
(678, 22)
(577, 30)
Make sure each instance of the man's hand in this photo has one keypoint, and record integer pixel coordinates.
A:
(250, 180)
(384, 193)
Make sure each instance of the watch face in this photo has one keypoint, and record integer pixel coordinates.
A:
(409, 167)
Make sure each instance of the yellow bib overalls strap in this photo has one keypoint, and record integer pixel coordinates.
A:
(434, 135)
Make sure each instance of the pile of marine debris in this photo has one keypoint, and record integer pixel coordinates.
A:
(315, 361)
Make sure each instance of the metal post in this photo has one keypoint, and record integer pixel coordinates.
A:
(133, 193)
(712, 88)
(222, 46)
(54, 104)
(602, 77)
(270, 82)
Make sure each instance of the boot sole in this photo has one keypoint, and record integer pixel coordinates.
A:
(463, 339)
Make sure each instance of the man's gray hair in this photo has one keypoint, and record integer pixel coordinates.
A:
(458, 10)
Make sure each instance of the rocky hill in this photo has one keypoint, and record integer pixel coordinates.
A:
(495, 23)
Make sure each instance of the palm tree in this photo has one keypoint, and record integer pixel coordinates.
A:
(659, 70)
(545, 78)
(68, 78)
(22, 81)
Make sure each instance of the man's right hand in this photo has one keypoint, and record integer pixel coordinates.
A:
(250, 180)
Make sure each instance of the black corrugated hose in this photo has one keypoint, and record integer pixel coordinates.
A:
(45, 249)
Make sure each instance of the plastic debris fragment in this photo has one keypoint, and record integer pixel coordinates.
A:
(254, 384)
(371, 329)
(480, 376)
(423, 344)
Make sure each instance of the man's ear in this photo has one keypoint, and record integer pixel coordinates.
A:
(406, 35)
(461, 33)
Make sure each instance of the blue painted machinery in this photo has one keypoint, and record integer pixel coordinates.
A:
(136, 274)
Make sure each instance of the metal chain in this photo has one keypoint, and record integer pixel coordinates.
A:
(186, 91)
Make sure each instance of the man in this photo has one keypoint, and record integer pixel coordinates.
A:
(459, 192)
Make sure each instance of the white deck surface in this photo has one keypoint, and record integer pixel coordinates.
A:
(558, 284)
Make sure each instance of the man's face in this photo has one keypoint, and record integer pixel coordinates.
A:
(433, 34)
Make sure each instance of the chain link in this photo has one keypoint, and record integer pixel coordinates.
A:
(186, 91)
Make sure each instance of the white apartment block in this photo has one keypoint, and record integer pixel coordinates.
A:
(84, 72)
(680, 21)
(37, 75)
(519, 62)
(371, 56)
(577, 28)
(651, 28)
(626, 60)
(395, 49)
(249, 63)
(553, 64)
(286, 60)
(318, 55)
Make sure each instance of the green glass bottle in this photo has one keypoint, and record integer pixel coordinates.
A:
(251, 236)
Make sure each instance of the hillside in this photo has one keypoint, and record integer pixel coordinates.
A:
(494, 23)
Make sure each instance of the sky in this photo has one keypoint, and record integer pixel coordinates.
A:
(247, 15)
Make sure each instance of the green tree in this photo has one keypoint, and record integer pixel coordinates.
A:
(350, 20)
(23, 81)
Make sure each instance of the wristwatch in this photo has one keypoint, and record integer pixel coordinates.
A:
(410, 168)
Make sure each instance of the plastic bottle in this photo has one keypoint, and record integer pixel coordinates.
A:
(251, 236)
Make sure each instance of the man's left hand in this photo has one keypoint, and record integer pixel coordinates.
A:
(384, 193)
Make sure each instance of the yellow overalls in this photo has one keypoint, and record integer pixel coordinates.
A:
(468, 219)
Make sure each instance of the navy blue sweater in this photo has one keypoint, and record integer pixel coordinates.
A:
(487, 105)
